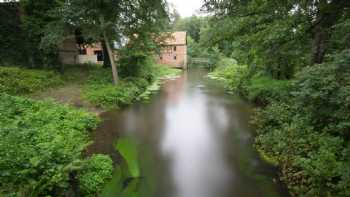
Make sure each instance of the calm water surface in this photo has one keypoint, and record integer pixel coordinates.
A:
(196, 140)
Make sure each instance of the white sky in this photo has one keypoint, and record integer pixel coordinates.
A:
(186, 7)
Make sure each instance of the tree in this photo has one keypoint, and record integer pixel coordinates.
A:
(111, 21)
(192, 25)
(310, 20)
(324, 15)
(97, 20)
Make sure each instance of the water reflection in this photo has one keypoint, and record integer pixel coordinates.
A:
(198, 166)
(195, 142)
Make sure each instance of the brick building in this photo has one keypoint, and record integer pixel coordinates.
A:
(71, 53)
(174, 50)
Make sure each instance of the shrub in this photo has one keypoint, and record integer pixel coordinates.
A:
(19, 81)
(41, 144)
(231, 73)
(262, 90)
(308, 133)
(101, 91)
(136, 66)
(109, 95)
(97, 170)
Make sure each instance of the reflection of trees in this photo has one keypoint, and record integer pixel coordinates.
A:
(174, 89)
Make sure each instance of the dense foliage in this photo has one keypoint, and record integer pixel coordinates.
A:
(42, 142)
(231, 73)
(196, 47)
(297, 54)
(12, 50)
(279, 36)
(308, 131)
(20, 81)
(96, 171)
(41, 147)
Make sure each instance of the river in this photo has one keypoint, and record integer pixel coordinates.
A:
(196, 141)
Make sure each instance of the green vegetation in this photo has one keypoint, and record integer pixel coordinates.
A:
(97, 170)
(50, 138)
(21, 81)
(307, 132)
(303, 123)
(42, 142)
(101, 91)
(127, 147)
(262, 90)
(41, 147)
(231, 73)
(298, 76)
(135, 174)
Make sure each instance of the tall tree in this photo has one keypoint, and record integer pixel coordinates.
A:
(111, 21)
(313, 19)
(97, 19)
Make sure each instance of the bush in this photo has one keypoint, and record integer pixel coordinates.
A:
(20, 81)
(97, 171)
(41, 145)
(101, 91)
(263, 90)
(308, 133)
(136, 66)
(231, 73)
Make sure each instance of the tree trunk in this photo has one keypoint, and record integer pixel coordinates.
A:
(319, 44)
(328, 14)
(106, 61)
(111, 58)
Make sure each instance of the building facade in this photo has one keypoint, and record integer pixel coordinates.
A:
(71, 53)
(174, 50)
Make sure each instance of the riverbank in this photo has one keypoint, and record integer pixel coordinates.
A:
(87, 87)
(52, 115)
(301, 124)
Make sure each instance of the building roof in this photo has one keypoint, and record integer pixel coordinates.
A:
(176, 38)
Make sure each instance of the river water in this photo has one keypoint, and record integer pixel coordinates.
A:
(196, 141)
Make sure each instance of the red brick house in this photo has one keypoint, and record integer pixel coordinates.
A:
(174, 50)
(71, 53)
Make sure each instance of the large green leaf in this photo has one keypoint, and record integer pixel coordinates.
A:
(127, 147)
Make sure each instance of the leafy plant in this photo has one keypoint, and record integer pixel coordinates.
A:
(262, 90)
(41, 145)
(20, 81)
(97, 170)
(307, 132)
(128, 149)
(101, 92)
(231, 73)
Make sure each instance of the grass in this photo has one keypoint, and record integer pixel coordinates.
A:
(22, 81)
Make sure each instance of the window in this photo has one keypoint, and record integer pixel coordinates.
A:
(82, 51)
(174, 48)
(174, 57)
(99, 54)
(160, 57)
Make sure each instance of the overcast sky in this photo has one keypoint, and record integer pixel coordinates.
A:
(186, 7)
